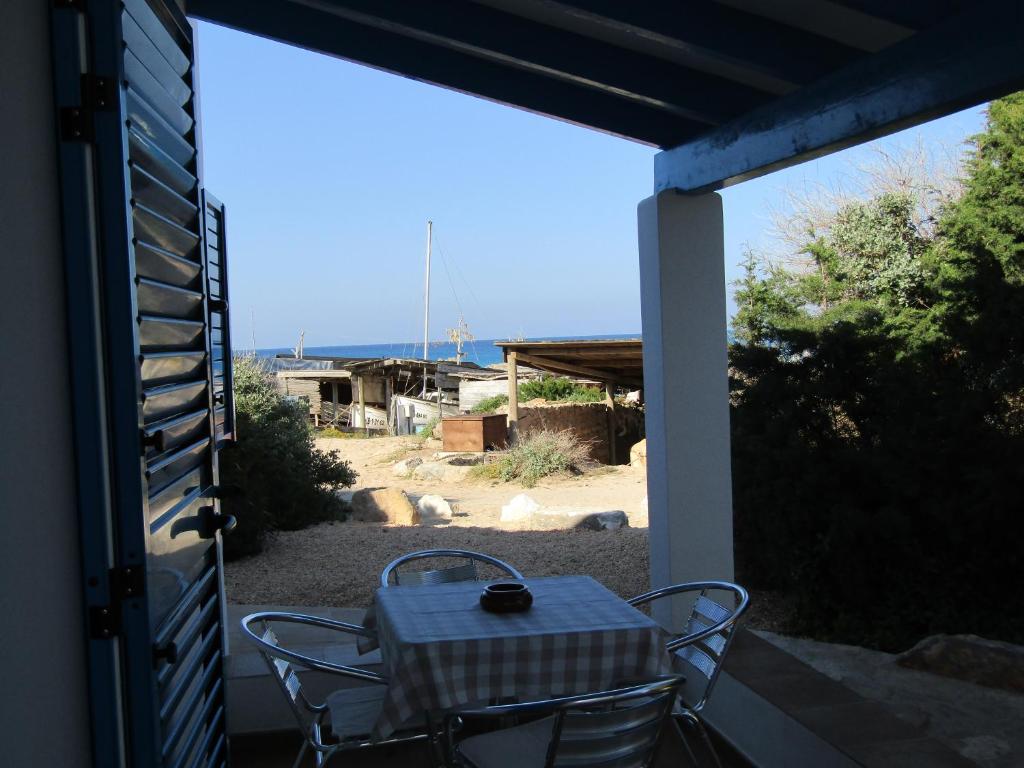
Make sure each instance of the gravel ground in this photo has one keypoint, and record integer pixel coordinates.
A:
(339, 564)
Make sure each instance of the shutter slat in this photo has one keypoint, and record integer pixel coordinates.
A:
(147, 154)
(141, 81)
(155, 195)
(162, 40)
(140, 44)
(145, 119)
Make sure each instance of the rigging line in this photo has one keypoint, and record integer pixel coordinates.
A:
(455, 294)
(458, 271)
(451, 285)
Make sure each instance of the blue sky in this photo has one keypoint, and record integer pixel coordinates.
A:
(330, 170)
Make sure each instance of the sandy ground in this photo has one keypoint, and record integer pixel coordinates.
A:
(479, 503)
(339, 563)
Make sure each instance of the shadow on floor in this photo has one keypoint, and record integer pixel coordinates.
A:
(278, 750)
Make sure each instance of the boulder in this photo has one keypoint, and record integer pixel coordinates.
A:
(638, 454)
(430, 470)
(969, 657)
(523, 512)
(456, 473)
(383, 505)
(405, 467)
(434, 507)
(519, 509)
(567, 518)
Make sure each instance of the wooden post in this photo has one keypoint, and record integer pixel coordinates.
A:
(388, 387)
(334, 398)
(513, 397)
(362, 402)
(609, 399)
(437, 383)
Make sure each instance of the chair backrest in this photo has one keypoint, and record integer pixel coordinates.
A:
(284, 674)
(709, 631)
(466, 571)
(620, 732)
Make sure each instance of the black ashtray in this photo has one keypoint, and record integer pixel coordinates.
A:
(506, 597)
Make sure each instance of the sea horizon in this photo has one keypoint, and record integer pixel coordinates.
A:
(479, 351)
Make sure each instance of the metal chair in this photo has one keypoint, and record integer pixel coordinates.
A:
(611, 728)
(352, 711)
(465, 572)
(703, 644)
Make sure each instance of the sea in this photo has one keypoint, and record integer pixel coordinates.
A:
(479, 351)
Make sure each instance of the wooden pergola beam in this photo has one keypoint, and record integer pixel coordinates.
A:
(558, 366)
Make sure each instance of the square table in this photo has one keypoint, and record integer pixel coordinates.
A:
(442, 651)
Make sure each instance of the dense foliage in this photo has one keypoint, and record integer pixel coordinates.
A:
(556, 389)
(559, 389)
(284, 482)
(877, 386)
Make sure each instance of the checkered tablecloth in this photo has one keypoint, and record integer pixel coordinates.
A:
(442, 651)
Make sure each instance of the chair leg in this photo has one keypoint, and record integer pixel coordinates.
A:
(302, 754)
(686, 743)
(695, 721)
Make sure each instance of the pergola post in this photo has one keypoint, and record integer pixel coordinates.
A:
(609, 399)
(334, 401)
(513, 397)
(689, 481)
(362, 402)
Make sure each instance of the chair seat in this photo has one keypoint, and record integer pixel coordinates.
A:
(355, 710)
(522, 746)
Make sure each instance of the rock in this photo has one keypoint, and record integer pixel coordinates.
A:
(566, 518)
(405, 467)
(433, 507)
(383, 505)
(638, 454)
(430, 470)
(969, 657)
(524, 512)
(520, 508)
(456, 473)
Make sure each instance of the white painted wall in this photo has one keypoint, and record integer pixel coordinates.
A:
(43, 709)
(686, 389)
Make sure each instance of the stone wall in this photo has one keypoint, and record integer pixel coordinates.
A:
(589, 421)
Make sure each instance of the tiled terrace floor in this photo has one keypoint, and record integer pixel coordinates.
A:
(277, 750)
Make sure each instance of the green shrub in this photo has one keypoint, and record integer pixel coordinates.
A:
(541, 454)
(559, 389)
(489, 471)
(285, 482)
(428, 429)
(490, 404)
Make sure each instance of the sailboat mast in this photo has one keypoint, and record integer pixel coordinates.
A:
(426, 309)
(426, 295)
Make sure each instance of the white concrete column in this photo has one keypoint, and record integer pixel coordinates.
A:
(689, 482)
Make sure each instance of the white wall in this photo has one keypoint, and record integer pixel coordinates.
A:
(43, 715)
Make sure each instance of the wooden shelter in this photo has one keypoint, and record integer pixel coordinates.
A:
(612, 362)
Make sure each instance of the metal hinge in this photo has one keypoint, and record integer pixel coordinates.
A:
(125, 583)
(98, 93)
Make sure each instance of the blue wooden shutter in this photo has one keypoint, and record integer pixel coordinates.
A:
(165, 370)
(215, 260)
